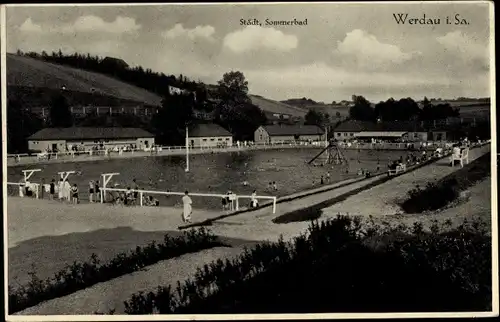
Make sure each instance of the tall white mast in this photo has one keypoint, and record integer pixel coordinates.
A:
(187, 150)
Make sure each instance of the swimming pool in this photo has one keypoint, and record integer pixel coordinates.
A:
(241, 172)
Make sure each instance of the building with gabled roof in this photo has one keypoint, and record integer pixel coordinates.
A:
(58, 139)
(394, 130)
(267, 134)
(207, 135)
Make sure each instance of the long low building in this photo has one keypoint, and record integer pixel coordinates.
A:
(61, 139)
(407, 131)
(287, 133)
(209, 135)
(393, 135)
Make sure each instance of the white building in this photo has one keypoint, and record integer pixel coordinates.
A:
(60, 139)
(209, 135)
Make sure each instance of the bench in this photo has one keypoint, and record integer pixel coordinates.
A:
(399, 169)
(464, 155)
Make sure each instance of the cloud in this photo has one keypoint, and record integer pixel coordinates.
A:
(198, 32)
(85, 24)
(29, 26)
(368, 50)
(255, 38)
(458, 43)
(322, 75)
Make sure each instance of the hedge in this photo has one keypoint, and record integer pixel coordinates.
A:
(78, 276)
(341, 265)
(448, 188)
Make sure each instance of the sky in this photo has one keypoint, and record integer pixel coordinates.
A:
(345, 49)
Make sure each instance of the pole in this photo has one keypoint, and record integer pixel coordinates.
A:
(187, 150)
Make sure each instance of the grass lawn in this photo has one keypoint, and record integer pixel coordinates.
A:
(47, 255)
(436, 195)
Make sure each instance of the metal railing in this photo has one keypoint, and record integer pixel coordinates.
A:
(234, 198)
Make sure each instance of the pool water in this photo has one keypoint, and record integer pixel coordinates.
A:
(241, 172)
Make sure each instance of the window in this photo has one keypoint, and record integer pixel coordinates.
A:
(219, 139)
(212, 139)
(260, 137)
(227, 139)
(339, 134)
(204, 140)
(352, 134)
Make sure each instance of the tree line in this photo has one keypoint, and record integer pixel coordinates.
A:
(405, 109)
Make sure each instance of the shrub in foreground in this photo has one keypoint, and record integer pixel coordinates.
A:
(340, 266)
(436, 195)
(82, 275)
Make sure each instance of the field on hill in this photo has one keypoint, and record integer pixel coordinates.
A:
(272, 106)
(330, 109)
(29, 72)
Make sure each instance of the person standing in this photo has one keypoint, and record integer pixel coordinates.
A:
(136, 189)
(67, 190)
(60, 190)
(188, 209)
(91, 191)
(254, 203)
(74, 194)
(43, 188)
(97, 190)
(52, 189)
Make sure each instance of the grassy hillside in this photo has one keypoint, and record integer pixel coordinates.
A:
(29, 72)
(268, 105)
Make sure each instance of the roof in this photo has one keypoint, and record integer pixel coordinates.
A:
(363, 126)
(355, 126)
(281, 130)
(379, 134)
(89, 133)
(205, 130)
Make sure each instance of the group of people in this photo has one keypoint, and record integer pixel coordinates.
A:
(229, 199)
(131, 196)
(63, 190)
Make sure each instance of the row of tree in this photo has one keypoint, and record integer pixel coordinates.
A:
(405, 109)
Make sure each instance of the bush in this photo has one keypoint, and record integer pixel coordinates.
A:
(341, 266)
(78, 276)
(448, 189)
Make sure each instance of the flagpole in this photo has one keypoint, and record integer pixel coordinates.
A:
(187, 151)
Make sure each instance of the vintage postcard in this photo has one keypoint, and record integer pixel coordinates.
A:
(250, 160)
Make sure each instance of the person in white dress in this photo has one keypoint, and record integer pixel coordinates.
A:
(188, 209)
(254, 202)
(60, 190)
(67, 190)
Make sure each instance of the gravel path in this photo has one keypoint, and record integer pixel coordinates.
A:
(381, 201)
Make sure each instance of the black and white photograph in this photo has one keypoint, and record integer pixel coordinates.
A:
(249, 160)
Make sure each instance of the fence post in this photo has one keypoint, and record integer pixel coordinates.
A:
(140, 196)
(37, 190)
(237, 203)
(274, 205)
